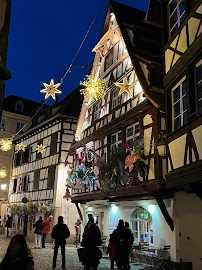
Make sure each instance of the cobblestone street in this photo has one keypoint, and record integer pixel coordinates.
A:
(43, 257)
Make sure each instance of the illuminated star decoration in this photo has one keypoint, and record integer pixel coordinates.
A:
(3, 173)
(124, 87)
(40, 148)
(94, 88)
(21, 146)
(51, 89)
(5, 145)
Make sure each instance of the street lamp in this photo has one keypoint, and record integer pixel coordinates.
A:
(161, 148)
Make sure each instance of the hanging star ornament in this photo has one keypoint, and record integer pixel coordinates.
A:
(3, 173)
(6, 144)
(40, 149)
(124, 87)
(94, 88)
(21, 146)
(51, 89)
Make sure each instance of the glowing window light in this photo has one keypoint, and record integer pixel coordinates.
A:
(114, 208)
(3, 173)
(90, 209)
(94, 88)
(6, 144)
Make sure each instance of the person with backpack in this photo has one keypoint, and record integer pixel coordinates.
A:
(60, 233)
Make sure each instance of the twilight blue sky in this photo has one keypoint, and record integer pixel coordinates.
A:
(44, 38)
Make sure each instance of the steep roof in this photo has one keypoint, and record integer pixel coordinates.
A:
(30, 107)
(143, 42)
(69, 106)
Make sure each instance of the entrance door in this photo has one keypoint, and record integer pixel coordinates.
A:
(142, 226)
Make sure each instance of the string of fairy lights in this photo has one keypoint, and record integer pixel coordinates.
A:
(94, 88)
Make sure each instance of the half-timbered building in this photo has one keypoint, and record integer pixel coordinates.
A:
(182, 40)
(115, 157)
(16, 118)
(38, 182)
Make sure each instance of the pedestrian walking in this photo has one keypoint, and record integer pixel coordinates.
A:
(129, 232)
(91, 240)
(46, 229)
(18, 255)
(38, 229)
(60, 233)
(123, 240)
(8, 224)
(78, 231)
(111, 250)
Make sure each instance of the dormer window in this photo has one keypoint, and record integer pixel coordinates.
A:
(19, 107)
(176, 15)
(113, 21)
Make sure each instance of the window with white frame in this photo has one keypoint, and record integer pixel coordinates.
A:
(142, 226)
(97, 111)
(3, 121)
(198, 87)
(115, 141)
(133, 133)
(109, 59)
(19, 126)
(116, 99)
(179, 104)
(176, 15)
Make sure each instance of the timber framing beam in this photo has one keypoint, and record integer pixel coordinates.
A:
(165, 212)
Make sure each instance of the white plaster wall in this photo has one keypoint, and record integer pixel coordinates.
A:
(188, 221)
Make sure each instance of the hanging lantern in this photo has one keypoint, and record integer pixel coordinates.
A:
(95, 88)
(3, 173)
(6, 144)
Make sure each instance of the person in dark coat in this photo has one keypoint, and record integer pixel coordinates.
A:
(18, 255)
(90, 221)
(123, 240)
(8, 224)
(38, 229)
(91, 240)
(59, 233)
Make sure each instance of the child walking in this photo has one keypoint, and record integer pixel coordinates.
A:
(111, 251)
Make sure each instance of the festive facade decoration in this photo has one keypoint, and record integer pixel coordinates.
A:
(30, 208)
(21, 146)
(51, 89)
(124, 87)
(6, 144)
(40, 148)
(95, 88)
(3, 173)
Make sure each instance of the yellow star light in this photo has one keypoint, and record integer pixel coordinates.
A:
(124, 87)
(95, 88)
(21, 146)
(40, 148)
(3, 173)
(51, 89)
(5, 144)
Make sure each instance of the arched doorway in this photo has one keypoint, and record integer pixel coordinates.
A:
(142, 226)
